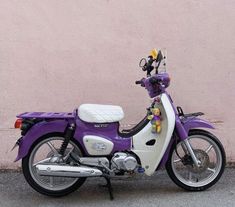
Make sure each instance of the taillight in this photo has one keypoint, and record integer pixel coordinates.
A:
(18, 123)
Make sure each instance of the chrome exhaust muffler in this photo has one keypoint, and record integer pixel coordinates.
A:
(67, 171)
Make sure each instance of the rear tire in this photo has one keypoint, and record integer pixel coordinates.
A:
(30, 178)
(190, 186)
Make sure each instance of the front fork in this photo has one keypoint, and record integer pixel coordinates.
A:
(183, 129)
(183, 135)
(188, 148)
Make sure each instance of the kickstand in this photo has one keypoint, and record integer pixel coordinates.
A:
(109, 186)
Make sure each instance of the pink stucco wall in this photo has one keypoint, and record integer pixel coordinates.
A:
(55, 55)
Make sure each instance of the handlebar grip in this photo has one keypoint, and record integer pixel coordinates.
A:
(138, 82)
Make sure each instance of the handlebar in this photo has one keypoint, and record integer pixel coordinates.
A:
(152, 80)
(140, 82)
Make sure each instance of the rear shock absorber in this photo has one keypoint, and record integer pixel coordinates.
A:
(69, 132)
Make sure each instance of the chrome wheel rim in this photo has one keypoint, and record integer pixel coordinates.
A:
(209, 154)
(43, 152)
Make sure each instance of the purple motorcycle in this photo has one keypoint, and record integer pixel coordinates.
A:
(60, 150)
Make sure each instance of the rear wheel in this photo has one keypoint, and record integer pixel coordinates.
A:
(45, 150)
(208, 150)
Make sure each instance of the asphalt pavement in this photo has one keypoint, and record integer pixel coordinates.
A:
(157, 190)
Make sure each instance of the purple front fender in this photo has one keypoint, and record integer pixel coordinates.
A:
(189, 123)
(192, 123)
(38, 131)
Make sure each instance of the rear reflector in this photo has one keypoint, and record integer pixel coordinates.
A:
(18, 123)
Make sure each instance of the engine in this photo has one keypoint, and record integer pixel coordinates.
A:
(123, 161)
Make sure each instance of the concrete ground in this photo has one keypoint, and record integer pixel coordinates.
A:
(157, 190)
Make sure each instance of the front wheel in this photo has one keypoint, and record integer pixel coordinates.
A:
(208, 150)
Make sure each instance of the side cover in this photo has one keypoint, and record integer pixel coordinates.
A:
(150, 156)
(96, 145)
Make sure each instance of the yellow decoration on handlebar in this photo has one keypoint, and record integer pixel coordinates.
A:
(154, 53)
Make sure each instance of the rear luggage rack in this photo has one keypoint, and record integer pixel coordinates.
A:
(193, 114)
(182, 114)
(47, 115)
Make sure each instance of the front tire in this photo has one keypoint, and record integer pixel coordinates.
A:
(42, 184)
(187, 175)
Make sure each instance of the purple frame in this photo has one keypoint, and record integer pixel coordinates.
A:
(57, 122)
(52, 124)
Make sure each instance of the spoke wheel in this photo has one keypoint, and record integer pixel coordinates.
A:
(46, 151)
(208, 151)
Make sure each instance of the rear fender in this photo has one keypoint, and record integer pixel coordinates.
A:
(38, 130)
(192, 123)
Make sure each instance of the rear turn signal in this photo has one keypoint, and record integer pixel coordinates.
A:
(18, 123)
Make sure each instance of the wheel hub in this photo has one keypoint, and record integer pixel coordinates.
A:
(204, 159)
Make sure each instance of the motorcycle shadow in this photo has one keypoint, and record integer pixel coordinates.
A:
(140, 191)
(158, 185)
(135, 191)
